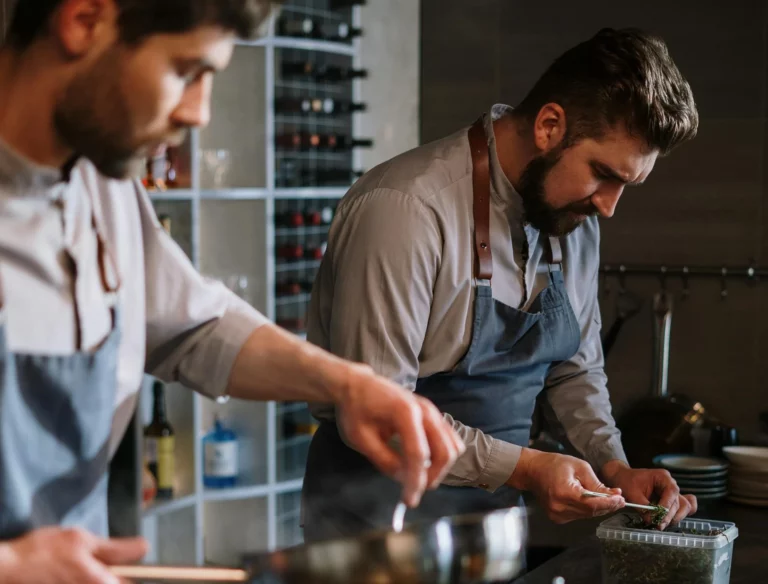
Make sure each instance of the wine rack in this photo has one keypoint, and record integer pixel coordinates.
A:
(255, 215)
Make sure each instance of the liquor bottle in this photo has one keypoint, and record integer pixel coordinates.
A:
(298, 27)
(159, 444)
(220, 454)
(339, 4)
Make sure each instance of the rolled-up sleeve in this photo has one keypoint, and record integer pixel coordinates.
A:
(195, 326)
(384, 252)
(578, 394)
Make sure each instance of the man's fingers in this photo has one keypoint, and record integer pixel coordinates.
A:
(368, 442)
(415, 449)
(442, 446)
(694, 502)
(683, 510)
(120, 550)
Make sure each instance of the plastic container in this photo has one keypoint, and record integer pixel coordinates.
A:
(643, 556)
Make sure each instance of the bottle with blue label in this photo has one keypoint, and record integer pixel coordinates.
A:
(220, 454)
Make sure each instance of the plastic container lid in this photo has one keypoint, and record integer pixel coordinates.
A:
(615, 529)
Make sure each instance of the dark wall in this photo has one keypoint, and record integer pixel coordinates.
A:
(704, 204)
(5, 15)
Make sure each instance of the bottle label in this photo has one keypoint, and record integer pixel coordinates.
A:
(165, 462)
(150, 450)
(221, 459)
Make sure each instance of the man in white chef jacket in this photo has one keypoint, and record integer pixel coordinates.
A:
(94, 293)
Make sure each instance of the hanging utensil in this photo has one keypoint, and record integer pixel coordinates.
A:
(627, 306)
(466, 549)
(660, 424)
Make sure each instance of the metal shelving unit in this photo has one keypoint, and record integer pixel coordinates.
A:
(226, 227)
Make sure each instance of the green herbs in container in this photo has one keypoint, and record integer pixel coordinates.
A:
(698, 551)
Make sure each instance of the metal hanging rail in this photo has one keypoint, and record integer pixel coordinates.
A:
(751, 274)
(664, 271)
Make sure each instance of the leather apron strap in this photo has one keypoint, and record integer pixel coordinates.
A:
(481, 188)
(481, 207)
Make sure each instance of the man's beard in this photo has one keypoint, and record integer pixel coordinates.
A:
(540, 214)
(94, 120)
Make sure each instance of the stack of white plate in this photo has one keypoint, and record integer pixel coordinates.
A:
(749, 474)
(707, 478)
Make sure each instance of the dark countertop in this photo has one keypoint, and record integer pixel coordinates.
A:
(581, 564)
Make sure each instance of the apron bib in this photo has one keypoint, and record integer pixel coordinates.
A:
(55, 426)
(493, 388)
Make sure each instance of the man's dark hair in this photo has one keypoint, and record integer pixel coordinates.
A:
(142, 18)
(618, 77)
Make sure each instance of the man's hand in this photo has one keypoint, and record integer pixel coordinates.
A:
(373, 409)
(642, 485)
(559, 482)
(66, 556)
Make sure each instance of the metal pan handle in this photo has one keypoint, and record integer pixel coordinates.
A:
(179, 574)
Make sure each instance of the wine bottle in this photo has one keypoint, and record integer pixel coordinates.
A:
(165, 222)
(332, 73)
(290, 219)
(220, 453)
(333, 176)
(335, 106)
(159, 444)
(338, 142)
(341, 33)
(294, 427)
(298, 27)
(290, 253)
(171, 172)
(326, 215)
(299, 141)
(297, 68)
(291, 324)
(313, 218)
(289, 289)
(339, 4)
(286, 105)
(314, 253)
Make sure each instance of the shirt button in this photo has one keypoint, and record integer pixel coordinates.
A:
(484, 486)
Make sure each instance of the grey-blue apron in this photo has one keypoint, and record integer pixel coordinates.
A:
(493, 388)
(55, 426)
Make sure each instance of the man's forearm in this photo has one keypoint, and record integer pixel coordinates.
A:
(275, 365)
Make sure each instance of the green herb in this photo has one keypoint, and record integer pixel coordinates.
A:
(658, 514)
(628, 562)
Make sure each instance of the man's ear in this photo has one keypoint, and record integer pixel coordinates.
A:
(550, 127)
(81, 25)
